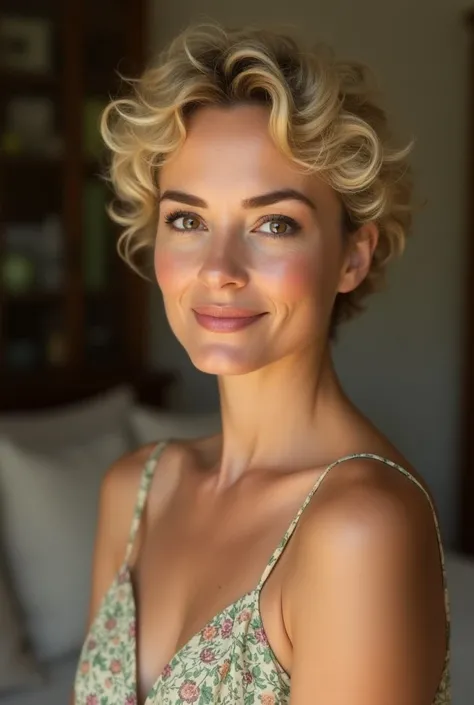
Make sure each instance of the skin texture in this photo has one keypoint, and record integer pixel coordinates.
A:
(354, 609)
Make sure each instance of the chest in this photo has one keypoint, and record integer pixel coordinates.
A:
(228, 661)
(197, 573)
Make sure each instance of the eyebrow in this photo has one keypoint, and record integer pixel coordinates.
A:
(266, 199)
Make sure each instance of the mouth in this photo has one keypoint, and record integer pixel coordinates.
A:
(225, 319)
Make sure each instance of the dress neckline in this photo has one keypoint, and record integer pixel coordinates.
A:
(125, 573)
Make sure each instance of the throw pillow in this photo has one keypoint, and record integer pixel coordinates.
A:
(69, 424)
(48, 514)
(17, 666)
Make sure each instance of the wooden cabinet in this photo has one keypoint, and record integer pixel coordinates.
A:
(70, 309)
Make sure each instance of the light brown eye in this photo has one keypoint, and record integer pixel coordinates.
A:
(190, 223)
(278, 227)
(182, 221)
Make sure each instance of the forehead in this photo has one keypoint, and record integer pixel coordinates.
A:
(229, 149)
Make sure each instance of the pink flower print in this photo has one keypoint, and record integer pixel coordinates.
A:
(262, 639)
(85, 665)
(130, 700)
(91, 644)
(166, 671)
(122, 578)
(115, 666)
(108, 682)
(226, 629)
(248, 678)
(189, 692)
(244, 616)
(207, 656)
(132, 630)
(209, 633)
(110, 624)
(224, 669)
(92, 700)
(267, 699)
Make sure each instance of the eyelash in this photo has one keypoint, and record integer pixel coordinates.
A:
(174, 215)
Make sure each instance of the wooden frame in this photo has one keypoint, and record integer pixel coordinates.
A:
(68, 85)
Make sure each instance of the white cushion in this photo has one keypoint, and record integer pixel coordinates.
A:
(17, 666)
(50, 504)
(69, 424)
(56, 690)
(150, 425)
(460, 572)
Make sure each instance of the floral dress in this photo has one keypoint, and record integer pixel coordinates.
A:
(229, 661)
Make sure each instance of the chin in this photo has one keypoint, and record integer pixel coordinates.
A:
(225, 362)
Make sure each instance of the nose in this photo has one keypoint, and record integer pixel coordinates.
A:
(224, 264)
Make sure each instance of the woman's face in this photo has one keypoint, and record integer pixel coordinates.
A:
(249, 253)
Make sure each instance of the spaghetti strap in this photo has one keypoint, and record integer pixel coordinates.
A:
(281, 546)
(145, 482)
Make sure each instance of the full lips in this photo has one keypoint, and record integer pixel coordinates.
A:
(224, 324)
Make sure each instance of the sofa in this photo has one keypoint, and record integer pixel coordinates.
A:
(51, 466)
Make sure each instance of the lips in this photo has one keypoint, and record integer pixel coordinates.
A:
(226, 319)
(225, 312)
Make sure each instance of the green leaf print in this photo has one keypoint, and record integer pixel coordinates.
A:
(206, 695)
(99, 661)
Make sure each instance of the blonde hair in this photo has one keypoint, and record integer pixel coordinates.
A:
(322, 114)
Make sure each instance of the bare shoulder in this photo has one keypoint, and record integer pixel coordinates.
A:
(119, 493)
(365, 565)
(123, 476)
(370, 503)
(121, 482)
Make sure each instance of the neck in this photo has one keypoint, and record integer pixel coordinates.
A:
(287, 415)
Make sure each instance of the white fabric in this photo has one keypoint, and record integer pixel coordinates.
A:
(149, 425)
(56, 690)
(50, 504)
(460, 572)
(17, 667)
(69, 424)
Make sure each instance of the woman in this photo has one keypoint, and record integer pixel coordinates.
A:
(266, 181)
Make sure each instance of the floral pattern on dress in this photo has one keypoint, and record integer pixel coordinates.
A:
(228, 662)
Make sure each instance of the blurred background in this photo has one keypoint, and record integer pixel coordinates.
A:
(76, 322)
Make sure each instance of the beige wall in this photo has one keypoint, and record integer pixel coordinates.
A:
(401, 360)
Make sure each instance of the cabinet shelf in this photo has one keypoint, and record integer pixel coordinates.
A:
(53, 221)
(29, 298)
(26, 82)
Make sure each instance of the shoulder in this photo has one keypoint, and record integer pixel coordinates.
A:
(364, 596)
(123, 476)
(365, 496)
(122, 479)
(367, 518)
(119, 494)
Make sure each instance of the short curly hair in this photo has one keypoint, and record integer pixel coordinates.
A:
(323, 114)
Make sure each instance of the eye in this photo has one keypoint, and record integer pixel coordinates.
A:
(183, 221)
(278, 226)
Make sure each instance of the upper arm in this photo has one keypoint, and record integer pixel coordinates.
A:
(365, 606)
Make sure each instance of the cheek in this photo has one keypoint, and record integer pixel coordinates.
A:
(293, 278)
(171, 270)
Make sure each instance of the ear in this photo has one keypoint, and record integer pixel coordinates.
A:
(358, 257)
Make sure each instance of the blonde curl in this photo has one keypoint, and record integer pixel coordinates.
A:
(324, 115)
